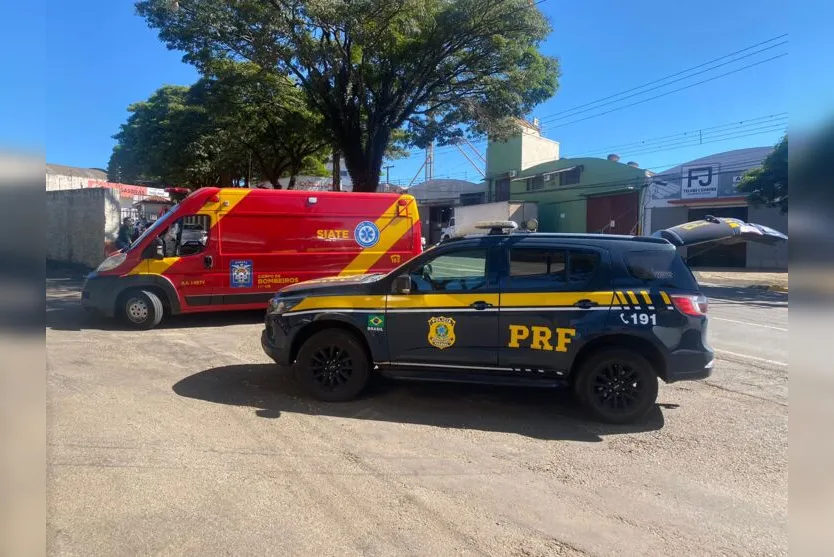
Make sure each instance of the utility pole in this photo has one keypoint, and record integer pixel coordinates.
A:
(429, 162)
(388, 168)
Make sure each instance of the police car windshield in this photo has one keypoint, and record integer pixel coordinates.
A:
(159, 224)
(398, 270)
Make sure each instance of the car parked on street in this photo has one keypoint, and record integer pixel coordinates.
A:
(605, 315)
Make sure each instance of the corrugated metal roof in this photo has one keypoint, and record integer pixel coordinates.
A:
(738, 159)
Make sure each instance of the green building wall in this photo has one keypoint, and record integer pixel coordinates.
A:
(564, 208)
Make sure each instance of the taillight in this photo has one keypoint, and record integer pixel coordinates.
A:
(690, 305)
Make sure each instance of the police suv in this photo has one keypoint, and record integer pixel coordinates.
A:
(605, 315)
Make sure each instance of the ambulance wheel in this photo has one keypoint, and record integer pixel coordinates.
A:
(141, 309)
(332, 366)
(616, 386)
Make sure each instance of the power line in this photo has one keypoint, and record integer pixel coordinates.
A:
(675, 136)
(695, 142)
(669, 76)
(556, 118)
(725, 74)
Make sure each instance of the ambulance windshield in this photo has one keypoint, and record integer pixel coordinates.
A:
(158, 225)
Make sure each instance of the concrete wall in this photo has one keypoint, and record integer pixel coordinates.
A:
(503, 157)
(760, 256)
(60, 182)
(667, 218)
(81, 225)
(536, 150)
(564, 208)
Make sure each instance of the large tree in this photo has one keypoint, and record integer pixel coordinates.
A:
(234, 119)
(266, 116)
(434, 68)
(768, 184)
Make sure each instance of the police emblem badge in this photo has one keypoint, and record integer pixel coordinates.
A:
(441, 332)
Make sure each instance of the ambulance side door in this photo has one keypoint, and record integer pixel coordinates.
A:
(553, 299)
(189, 242)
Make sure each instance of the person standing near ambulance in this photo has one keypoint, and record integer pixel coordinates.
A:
(123, 237)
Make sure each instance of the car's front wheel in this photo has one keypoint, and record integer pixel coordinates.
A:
(332, 366)
(616, 386)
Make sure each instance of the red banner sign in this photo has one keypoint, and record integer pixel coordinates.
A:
(125, 190)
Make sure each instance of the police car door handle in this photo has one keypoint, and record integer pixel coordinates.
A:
(480, 305)
(208, 262)
(586, 304)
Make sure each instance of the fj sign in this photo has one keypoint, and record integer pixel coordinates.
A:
(540, 338)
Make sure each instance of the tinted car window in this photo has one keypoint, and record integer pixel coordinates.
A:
(537, 268)
(660, 268)
(583, 265)
(451, 272)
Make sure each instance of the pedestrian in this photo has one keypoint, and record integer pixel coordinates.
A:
(123, 237)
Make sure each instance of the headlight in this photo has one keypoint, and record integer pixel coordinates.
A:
(112, 262)
(282, 305)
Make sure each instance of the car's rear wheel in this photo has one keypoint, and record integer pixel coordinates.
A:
(141, 309)
(616, 386)
(333, 366)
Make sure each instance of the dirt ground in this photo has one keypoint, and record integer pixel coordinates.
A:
(187, 440)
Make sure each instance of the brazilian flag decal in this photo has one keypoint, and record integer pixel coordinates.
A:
(376, 323)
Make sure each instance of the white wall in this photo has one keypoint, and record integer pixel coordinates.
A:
(81, 225)
(537, 150)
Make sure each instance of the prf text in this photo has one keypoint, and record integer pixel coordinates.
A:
(540, 338)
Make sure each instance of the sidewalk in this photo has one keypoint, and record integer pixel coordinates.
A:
(748, 278)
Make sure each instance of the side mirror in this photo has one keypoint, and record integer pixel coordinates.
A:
(154, 250)
(402, 285)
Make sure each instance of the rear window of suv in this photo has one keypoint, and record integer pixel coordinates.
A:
(660, 268)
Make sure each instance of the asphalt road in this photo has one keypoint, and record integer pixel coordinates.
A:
(186, 440)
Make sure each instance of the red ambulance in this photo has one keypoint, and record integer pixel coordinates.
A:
(233, 248)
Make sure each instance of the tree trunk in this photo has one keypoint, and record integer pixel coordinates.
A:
(337, 168)
(365, 164)
(291, 184)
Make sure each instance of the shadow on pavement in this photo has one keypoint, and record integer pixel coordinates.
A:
(68, 315)
(64, 312)
(538, 413)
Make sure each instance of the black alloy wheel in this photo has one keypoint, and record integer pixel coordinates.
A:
(617, 386)
(333, 365)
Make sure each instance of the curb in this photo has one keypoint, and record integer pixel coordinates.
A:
(769, 287)
(764, 287)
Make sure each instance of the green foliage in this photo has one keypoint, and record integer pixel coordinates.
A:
(432, 69)
(210, 133)
(768, 185)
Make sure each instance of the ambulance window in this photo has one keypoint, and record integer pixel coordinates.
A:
(583, 265)
(451, 272)
(532, 268)
(190, 234)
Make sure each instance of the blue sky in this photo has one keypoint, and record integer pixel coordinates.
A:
(100, 57)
